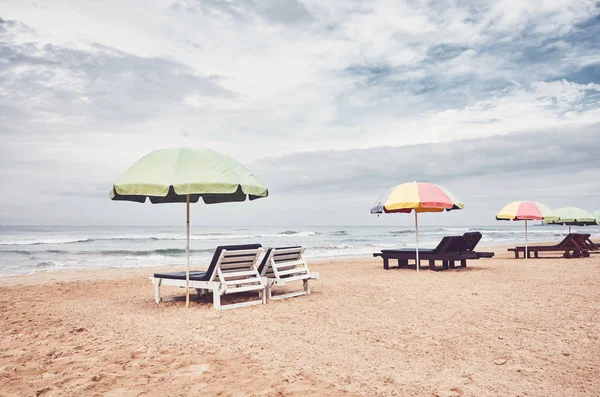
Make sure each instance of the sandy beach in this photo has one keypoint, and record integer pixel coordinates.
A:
(500, 327)
(145, 137)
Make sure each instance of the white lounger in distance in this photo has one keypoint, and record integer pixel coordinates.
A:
(231, 270)
(283, 265)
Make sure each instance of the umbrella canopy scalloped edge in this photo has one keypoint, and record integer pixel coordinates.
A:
(573, 216)
(169, 175)
(525, 210)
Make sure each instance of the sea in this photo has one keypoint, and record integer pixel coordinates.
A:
(31, 249)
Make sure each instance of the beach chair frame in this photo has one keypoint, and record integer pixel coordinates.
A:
(285, 265)
(235, 271)
(451, 249)
(570, 246)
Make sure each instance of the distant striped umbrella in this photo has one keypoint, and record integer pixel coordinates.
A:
(573, 216)
(417, 197)
(526, 211)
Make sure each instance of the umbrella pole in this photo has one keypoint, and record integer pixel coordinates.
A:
(417, 227)
(187, 251)
(569, 229)
(526, 239)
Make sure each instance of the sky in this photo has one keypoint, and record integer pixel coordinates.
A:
(328, 103)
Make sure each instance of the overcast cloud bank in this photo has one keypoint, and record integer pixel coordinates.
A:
(328, 103)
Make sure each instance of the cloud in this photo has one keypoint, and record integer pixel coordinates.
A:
(340, 97)
(528, 154)
(42, 82)
(273, 11)
(557, 166)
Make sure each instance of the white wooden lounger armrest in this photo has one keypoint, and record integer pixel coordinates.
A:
(281, 282)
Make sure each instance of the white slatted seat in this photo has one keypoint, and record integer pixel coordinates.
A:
(233, 269)
(284, 265)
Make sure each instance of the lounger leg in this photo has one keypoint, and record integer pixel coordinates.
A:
(157, 290)
(404, 263)
(263, 296)
(452, 265)
(306, 286)
(445, 264)
(216, 298)
(431, 264)
(463, 263)
(386, 264)
(269, 289)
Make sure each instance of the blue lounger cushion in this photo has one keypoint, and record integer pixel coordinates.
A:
(194, 275)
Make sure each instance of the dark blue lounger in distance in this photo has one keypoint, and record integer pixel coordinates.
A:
(449, 250)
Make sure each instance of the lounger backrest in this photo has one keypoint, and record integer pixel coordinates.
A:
(583, 239)
(238, 267)
(443, 244)
(588, 240)
(456, 244)
(284, 263)
(211, 272)
(450, 244)
(471, 241)
(569, 241)
(264, 263)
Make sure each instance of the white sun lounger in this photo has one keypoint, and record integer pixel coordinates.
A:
(284, 265)
(233, 269)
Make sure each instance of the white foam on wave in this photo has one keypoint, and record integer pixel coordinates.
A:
(16, 240)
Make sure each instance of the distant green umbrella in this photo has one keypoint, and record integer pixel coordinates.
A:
(597, 216)
(573, 216)
(183, 176)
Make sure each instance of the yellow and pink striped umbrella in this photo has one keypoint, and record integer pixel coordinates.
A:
(417, 197)
(526, 211)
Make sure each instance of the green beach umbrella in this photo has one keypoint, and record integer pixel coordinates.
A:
(573, 216)
(184, 176)
(597, 216)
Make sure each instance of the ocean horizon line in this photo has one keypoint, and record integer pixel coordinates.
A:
(199, 225)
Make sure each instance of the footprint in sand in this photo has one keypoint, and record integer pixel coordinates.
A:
(195, 370)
